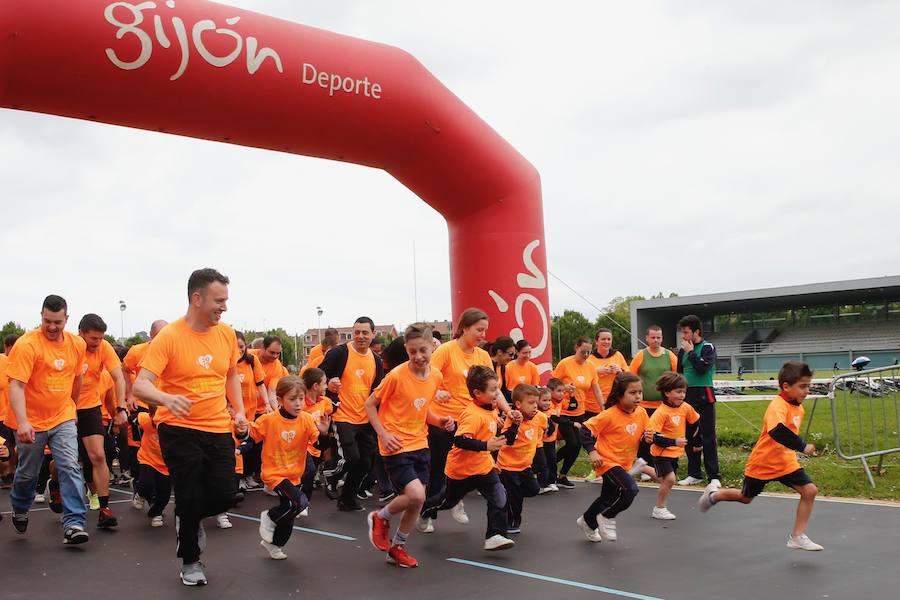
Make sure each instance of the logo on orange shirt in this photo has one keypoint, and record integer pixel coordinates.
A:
(676, 419)
(529, 433)
(288, 436)
(360, 373)
(419, 403)
(493, 427)
(59, 364)
(631, 428)
(84, 368)
(241, 377)
(580, 378)
(797, 421)
(205, 360)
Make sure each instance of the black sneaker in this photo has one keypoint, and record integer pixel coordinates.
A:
(20, 522)
(387, 497)
(563, 482)
(349, 506)
(75, 535)
(363, 494)
(331, 487)
(106, 518)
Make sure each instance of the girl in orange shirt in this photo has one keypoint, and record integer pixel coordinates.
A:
(522, 370)
(612, 438)
(287, 433)
(544, 465)
(153, 483)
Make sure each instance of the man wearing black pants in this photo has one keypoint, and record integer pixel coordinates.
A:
(353, 372)
(195, 358)
(697, 362)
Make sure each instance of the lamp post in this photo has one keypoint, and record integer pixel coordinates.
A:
(122, 308)
(319, 312)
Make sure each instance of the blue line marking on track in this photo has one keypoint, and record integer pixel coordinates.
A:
(338, 536)
(569, 582)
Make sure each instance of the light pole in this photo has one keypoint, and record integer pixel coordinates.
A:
(319, 312)
(122, 308)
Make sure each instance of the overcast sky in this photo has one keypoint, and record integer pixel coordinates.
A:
(694, 147)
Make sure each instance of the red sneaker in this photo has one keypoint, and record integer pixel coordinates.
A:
(106, 519)
(379, 530)
(397, 556)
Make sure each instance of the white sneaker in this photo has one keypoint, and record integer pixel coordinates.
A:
(591, 534)
(459, 515)
(690, 481)
(544, 490)
(639, 463)
(156, 521)
(266, 527)
(705, 502)
(304, 512)
(645, 477)
(607, 528)
(425, 525)
(267, 490)
(275, 552)
(663, 514)
(802, 542)
(498, 542)
(553, 487)
(39, 499)
(137, 502)
(222, 522)
(715, 484)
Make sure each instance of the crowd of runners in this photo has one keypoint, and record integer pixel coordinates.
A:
(198, 411)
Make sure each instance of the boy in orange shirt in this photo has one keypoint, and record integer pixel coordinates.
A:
(287, 433)
(774, 457)
(400, 414)
(470, 465)
(152, 483)
(317, 404)
(668, 424)
(515, 460)
(611, 439)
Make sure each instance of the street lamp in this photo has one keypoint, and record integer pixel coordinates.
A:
(319, 312)
(122, 308)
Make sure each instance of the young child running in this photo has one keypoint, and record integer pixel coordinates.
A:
(470, 465)
(399, 410)
(612, 439)
(668, 425)
(286, 435)
(318, 405)
(774, 457)
(544, 463)
(153, 483)
(515, 460)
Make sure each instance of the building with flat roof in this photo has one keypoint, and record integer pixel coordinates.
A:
(823, 324)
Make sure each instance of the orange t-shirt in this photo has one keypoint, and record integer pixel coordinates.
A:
(591, 402)
(516, 374)
(671, 422)
(194, 365)
(477, 423)
(131, 364)
(285, 447)
(323, 406)
(48, 370)
(769, 459)
(95, 363)
(149, 453)
(618, 435)
(520, 454)
(107, 384)
(454, 365)
(582, 376)
(250, 378)
(315, 358)
(553, 411)
(274, 372)
(4, 387)
(404, 400)
(356, 385)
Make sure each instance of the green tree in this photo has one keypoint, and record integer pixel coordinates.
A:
(288, 354)
(617, 318)
(564, 330)
(139, 338)
(11, 328)
(110, 339)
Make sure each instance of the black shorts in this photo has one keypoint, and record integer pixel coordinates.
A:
(90, 422)
(753, 487)
(9, 435)
(407, 466)
(665, 465)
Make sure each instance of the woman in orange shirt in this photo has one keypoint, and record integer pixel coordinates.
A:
(614, 436)
(502, 352)
(580, 378)
(522, 370)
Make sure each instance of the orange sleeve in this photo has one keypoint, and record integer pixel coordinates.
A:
(656, 421)
(259, 376)
(110, 360)
(21, 362)
(673, 361)
(776, 414)
(256, 429)
(621, 362)
(157, 357)
(636, 362)
(596, 424)
(692, 415)
(468, 424)
(386, 387)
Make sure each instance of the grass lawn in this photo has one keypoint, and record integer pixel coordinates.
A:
(739, 424)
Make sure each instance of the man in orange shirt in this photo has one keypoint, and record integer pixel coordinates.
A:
(353, 373)
(131, 364)
(99, 357)
(317, 354)
(45, 372)
(196, 359)
(270, 360)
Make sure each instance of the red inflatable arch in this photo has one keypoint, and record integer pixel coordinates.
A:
(215, 72)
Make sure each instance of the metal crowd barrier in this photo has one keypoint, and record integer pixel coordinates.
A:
(865, 415)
